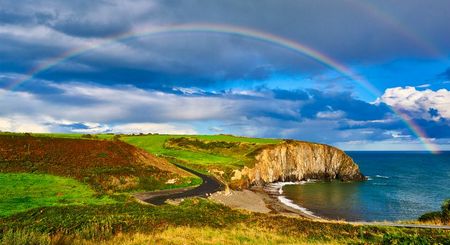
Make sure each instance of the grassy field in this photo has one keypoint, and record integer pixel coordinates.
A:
(194, 221)
(21, 191)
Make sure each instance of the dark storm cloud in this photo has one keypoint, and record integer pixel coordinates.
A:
(78, 18)
(350, 31)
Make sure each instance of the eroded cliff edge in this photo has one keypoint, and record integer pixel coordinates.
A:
(295, 161)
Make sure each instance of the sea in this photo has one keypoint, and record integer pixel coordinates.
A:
(400, 186)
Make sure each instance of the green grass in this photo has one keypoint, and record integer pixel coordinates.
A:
(21, 191)
(155, 144)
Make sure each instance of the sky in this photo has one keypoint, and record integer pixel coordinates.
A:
(356, 74)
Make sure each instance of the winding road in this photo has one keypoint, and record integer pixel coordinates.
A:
(208, 186)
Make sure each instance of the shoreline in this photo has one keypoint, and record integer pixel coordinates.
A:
(273, 205)
(263, 199)
(275, 191)
(278, 203)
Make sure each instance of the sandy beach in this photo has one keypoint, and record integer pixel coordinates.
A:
(258, 199)
(246, 200)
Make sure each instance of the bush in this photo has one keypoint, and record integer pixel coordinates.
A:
(442, 216)
(445, 211)
(430, 216)
(404, 239)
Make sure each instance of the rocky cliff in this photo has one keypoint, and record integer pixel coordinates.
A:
(294, 160)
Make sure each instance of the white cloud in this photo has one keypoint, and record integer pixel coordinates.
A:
(396, 134)
(88, 108)
(424, 85)
(418, 103)
(129, 109)
(133, 104)
(330, 114)
(22, 124)
(45, 124)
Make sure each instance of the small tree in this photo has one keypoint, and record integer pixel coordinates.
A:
(86, 136)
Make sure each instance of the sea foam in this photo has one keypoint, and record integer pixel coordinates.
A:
(381, 176)
(277, 188)
(291, 204)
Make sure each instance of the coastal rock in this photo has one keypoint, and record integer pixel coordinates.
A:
(295, 161)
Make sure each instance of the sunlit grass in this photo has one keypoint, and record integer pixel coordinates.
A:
(155, 144)
(194, 221)
(240, 234)
(21, 191)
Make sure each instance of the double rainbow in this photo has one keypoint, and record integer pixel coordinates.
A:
(236, 31)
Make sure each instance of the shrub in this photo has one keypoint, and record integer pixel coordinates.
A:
(438, 216)
(445, 211)
(394, 238)
(431, 216)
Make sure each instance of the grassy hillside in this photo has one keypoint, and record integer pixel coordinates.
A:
(221, 153)
(21, 191)
(108, 166)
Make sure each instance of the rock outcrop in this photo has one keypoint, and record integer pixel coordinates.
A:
(295, 161)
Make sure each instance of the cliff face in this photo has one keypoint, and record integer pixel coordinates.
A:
(293, 160)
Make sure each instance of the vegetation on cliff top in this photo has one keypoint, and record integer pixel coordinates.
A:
(217, 154)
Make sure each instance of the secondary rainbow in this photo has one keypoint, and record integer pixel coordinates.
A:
(404, 30)
(229, 30)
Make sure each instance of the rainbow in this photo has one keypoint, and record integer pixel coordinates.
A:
(229, 30)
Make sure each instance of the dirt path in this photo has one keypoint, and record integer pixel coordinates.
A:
(208, 186)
